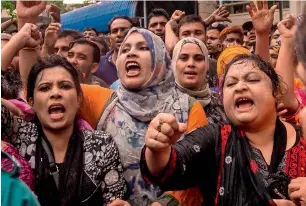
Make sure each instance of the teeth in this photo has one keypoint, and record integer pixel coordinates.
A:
(243, 99)
(132, 64)
(56, 107)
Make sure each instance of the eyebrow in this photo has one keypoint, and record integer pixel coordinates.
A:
(138, 43)
(244, 76)
(49, 82)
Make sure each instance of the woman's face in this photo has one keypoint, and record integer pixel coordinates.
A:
(55, 98)
(190, 67)
(134, 63)
(247, 95)
(273, 57)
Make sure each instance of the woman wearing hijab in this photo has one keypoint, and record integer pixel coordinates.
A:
(255, 160)
(147, 88)
(190, 65)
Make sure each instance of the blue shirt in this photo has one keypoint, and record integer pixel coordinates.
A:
(107, 70)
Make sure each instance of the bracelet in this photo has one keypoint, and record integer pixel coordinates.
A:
(30, 48)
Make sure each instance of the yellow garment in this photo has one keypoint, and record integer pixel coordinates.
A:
(228, 55)
(94, 100)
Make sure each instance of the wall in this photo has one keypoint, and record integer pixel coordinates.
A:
(207, 7)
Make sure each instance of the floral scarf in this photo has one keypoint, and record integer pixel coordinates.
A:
(203, 95)
(127, 116)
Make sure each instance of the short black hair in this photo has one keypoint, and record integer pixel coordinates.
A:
(12, 31)
(218, 27)
(47, 63)
(102, 41)
(134, 24)
(158, 12)
(70, 32)
(91, 29)
(95, 52)
(191, 19)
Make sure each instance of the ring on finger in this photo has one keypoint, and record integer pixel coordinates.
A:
(155, 137)
(159, 126)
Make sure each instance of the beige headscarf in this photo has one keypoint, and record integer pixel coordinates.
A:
(203, 95)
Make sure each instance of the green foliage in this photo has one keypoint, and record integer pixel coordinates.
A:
(11, 7)
(59, 4)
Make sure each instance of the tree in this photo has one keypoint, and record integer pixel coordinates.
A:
(10, 6)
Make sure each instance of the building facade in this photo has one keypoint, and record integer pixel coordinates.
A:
(239, 13)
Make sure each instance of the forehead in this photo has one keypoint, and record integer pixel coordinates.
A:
(135, 38)
(65, 41)
(272, 51)
(155, 19)
(90, 31)
(233, 35)
(120, 23)
(213, 32)
(190, 48)
(192, 27)
(243, 67)
(54, 74)
(81, 48)
(276, 32)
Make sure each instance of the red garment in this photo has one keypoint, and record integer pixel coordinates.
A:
(26, 174)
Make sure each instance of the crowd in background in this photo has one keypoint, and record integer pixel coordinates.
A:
(188, 111)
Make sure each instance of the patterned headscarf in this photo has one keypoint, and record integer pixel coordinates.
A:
(127, 117)
(203, 95)
(158, 92)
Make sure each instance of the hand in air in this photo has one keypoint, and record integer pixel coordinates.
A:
(30, 9)
(287, 27)
(51, 34)
(221, 14)
(261, 16)
(29, 36)
(177, 15)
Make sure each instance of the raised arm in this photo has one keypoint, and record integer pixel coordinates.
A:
(262, 19)
(171, 38)
(27, 12)
(28, 37)
(176, 166)
(50, 39)
(7, 23)
(220, 14)
(286, 62)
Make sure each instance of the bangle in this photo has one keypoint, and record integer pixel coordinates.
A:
(30, 48)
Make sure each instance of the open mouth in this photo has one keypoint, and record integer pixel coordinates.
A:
(191, 73)
(132, 69)
(244, 103)
(252, 37)
(56, 111)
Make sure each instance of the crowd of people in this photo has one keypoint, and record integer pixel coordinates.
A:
(188, 111)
